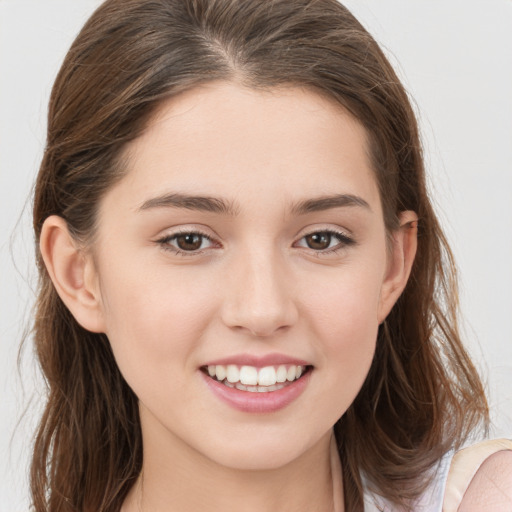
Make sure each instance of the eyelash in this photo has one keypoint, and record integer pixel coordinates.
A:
(344, 241)
(165, 243)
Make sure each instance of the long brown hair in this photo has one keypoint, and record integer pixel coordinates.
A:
(422, 395)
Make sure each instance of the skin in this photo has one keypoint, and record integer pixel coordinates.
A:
(491, 487)
(257, 288)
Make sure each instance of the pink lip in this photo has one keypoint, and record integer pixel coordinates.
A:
(247, 401)
(258, 361)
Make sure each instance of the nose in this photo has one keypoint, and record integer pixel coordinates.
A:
(259, 297)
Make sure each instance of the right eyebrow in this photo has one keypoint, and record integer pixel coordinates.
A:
(188, 202)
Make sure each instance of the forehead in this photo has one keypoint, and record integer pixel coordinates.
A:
(225, 139)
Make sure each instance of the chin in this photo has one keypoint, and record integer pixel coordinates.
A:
(260, 452)
(256, 460)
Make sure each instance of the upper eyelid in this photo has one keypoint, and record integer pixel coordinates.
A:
(185, 231)
(306, 230)
(175, 234)
(325, 229)
(300, 234)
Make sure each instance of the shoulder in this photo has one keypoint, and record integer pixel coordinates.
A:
(491, 487)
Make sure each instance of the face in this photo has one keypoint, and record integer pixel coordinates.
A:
(246, 243)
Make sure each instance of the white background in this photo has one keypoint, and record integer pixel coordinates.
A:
(455, 57)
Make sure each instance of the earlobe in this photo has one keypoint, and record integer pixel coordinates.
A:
(401, 259)
(72, 273)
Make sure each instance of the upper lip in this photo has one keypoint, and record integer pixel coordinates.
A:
(273, 359)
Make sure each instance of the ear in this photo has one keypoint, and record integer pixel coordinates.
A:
(73, 274)
(401, 257)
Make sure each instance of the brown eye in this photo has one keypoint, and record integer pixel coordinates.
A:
(318, 241)
(186, 243)
(189, 241)
(326, 242)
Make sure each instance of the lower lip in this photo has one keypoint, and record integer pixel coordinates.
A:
(247, 401)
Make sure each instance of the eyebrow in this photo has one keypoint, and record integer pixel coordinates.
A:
(189, 202)
(222, 206)
(327, 203)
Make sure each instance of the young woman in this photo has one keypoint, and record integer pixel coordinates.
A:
(246, 301)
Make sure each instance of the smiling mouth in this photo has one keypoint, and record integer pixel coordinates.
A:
(256, 380)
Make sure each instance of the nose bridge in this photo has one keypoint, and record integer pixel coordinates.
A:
(259, 297)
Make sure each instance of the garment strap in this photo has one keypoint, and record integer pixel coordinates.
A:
(337, 477)
(465, 464)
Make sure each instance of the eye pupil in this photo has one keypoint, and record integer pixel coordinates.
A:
(319, 240)
(189, 242)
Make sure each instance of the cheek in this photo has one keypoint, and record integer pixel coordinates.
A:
(155, 319)
(345, 323)
(349, 341)
(345, 307)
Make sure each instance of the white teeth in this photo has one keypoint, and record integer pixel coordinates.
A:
(220, 372)
(281, 374)
(248, 375)
(232, 373)
(267, 376)
(250, 378)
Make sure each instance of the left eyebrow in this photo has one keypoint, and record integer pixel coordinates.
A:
(222, 206)
(327, 203)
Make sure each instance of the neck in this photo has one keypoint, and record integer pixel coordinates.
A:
(185, 481)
